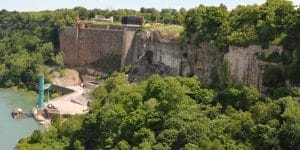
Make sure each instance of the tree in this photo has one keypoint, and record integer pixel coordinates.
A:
(264, 137)
(273, 76)
(78, 146)
(242, 98)
(204, 23)
(144, 135)
(2, 70)
(265, 112)
(82, 12)
(36, 137)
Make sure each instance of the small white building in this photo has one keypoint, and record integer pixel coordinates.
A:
(102, 18)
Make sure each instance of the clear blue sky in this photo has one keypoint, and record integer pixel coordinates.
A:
(37, 5)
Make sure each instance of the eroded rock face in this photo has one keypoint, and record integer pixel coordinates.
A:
(155, 53)
(165, 48)
(244, 64)
(184, 61)
(201, 61)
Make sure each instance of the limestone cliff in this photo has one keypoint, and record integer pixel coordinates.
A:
(200, 61)
(165, 50)
(155, 52)
(244, 64)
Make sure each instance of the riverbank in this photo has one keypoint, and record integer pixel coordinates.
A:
(12, 130)
(74, 99)
(24, 91)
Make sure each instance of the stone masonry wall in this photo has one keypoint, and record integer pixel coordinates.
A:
(83, 46)
(88, 45)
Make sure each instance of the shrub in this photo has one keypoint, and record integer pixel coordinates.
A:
(273, 76)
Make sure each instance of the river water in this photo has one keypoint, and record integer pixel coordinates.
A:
(12, 130)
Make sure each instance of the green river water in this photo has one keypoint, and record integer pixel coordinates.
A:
(12, 130)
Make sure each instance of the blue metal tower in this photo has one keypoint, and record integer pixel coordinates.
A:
(42, 88)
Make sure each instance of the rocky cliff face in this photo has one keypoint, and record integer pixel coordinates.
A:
(165, 56)
(244, 64)
(155, 53)
(201, 61)
(164, 50)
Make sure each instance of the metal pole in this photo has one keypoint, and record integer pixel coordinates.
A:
(41, 91)
(48, 95)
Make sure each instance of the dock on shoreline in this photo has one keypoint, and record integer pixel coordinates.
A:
(73, 103)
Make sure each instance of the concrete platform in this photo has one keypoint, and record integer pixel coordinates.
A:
(71, 104)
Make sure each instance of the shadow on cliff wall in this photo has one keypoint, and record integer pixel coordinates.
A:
(145, 67)
(108, 64)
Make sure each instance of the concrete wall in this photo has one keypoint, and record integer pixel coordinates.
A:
(128, 45)
(106, 27)
(83, 46)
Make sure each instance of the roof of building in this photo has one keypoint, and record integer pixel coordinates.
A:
(135, 20)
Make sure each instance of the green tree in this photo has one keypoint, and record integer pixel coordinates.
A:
(273, 76)
(36, 137)
(78, 146)
(264, 137)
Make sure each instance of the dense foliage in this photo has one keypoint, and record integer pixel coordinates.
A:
(165, 16)
(276, 22)
(29, 42)
(173, 113)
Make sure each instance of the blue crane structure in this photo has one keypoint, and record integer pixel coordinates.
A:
(42, 88)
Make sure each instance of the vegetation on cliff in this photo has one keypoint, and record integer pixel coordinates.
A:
(174, 113)
(276, 22)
